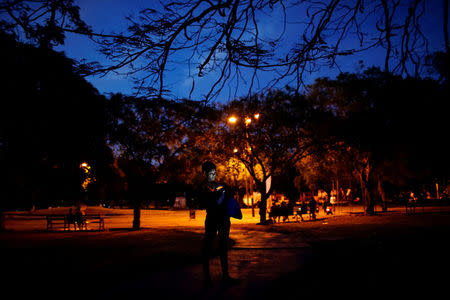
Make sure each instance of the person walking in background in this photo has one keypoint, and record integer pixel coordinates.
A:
(312, 209)
(412, 202)
(71, 219)
(303, 209)
(79, 217)
(213, 198)
(273, 213)
(284, 211)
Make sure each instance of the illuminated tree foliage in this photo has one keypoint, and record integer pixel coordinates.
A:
(155, 141)
(268, 135)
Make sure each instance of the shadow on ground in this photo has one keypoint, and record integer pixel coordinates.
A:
(354, 257)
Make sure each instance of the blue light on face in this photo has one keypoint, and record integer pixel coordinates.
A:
(212, 175)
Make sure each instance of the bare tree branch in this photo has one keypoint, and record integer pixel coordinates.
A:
(228, 41)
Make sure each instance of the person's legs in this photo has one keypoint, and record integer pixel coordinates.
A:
(210, 232)
(224, 232)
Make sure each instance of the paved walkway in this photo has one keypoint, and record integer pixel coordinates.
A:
(257, 259)
(262, 260)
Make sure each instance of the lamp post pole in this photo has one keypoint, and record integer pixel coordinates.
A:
(251, 191)
(248, 182)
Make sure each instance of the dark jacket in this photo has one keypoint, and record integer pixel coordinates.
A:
(209, 200)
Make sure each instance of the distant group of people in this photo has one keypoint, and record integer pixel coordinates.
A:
(76, 218)
(312, 209)
(285, 210)
(281, 210)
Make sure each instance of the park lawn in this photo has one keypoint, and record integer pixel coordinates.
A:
(370, 256)
(353, 253)
(62, 260)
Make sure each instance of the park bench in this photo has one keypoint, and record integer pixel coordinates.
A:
(93, 219)
(57, 221)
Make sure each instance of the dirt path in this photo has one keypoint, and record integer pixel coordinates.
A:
(346, 255)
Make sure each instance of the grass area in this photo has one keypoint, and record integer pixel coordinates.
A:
(376, 256)
(62, 260)
(350, 254)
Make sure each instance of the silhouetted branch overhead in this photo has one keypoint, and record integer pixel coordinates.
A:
(224, 39)
(227, 42)
(42, 21)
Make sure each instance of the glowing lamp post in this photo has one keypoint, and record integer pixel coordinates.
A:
(86, 176)
(232, 120)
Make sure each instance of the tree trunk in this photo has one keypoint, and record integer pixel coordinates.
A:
(263, 208)
(365, 193)
(137, 215)
(368, 190)
(370, 209)
(382, 194)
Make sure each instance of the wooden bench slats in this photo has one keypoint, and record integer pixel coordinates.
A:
(54, 221)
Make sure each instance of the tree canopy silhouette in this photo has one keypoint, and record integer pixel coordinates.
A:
(269, 134)
(393, 126)
(43, 22)
(230, 43)
(228, 40)
(51, 120)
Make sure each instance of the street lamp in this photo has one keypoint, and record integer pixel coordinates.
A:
(232, 120)
(87, 177)
(248, 181)
(248, 120)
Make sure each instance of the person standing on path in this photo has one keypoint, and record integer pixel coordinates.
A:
(213, 198)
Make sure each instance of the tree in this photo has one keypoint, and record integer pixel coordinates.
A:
(390, 124)
(267, 135)
(327, 166)
(42, 22)
(51, 120)
(156, 139)
(228, 40)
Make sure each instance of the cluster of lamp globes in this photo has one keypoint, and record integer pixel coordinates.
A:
(88, 177)
(248, 121)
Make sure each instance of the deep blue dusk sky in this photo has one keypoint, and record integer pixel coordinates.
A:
(109, 15)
